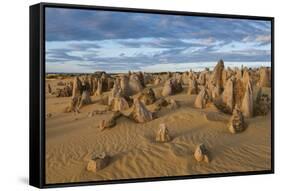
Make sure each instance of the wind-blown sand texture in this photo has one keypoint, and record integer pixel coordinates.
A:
(72, 138)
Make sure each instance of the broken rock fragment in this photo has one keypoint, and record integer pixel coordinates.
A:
(98, 162)
(201, 153)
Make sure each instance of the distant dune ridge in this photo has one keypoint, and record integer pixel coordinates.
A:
(135, 125)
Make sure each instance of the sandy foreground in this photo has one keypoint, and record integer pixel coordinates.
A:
(72, 139)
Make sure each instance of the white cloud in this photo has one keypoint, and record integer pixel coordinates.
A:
(263, 38)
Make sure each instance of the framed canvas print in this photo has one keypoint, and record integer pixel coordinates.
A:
(126, 95)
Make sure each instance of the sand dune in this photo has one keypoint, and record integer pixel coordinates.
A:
(72, 139)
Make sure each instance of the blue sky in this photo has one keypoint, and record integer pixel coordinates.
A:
(88, 40)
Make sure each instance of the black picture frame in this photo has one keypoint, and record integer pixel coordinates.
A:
(37, 94)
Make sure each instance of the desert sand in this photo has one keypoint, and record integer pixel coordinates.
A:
(73, 136)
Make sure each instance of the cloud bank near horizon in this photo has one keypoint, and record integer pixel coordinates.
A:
(88, 40)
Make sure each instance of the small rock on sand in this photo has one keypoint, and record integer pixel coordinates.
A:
(163, 134)
(49, 115)
(98, 162)
(201, 153)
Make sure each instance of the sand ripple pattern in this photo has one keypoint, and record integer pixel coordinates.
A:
(72, 140)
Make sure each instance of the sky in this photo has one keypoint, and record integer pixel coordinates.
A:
(79, 41)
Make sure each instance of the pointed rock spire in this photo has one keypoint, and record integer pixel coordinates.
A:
(247, 107)
(163, 134)
(228, 95)
(202, 99)
(236, 123)
(140, 114)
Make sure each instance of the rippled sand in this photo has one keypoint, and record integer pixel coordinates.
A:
(71, 140)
